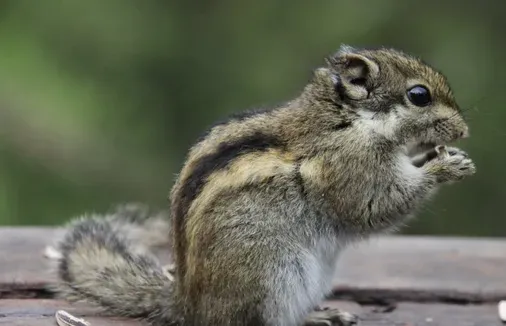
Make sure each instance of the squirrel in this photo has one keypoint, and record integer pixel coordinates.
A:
(267, 200)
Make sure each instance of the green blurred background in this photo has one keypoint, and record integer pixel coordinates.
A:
(100, 99)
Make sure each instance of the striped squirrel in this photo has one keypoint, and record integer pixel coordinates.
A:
(267, 200)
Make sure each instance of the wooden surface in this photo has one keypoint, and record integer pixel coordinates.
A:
(387, 281)
(40, 312)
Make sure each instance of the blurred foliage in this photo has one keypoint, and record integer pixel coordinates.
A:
(99, 100)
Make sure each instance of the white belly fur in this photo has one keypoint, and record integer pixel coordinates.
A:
(300, 290)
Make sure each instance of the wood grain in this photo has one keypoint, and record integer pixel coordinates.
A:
(418, 314)
(41, 313)
(457, 270)
(393, 268)
(397, 281)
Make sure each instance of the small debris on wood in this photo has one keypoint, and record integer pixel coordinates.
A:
(51, 253)
(63, 318)
(502, 310)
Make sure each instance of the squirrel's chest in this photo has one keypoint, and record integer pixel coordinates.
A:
(319, 265)
(305, 284)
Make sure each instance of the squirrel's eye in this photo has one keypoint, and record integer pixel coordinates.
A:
(419, 95)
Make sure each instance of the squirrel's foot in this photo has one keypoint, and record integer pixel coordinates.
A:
(451, 164)
(330, 317)
(169, 271)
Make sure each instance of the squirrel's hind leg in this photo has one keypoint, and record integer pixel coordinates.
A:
(330, 317)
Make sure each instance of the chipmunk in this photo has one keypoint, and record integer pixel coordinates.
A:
(267, 200)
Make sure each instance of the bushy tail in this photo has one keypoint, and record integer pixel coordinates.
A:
(100, 263)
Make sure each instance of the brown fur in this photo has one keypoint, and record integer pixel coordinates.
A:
(266, 201)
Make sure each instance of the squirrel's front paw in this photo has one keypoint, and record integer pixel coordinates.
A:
(452, 151)
(451, 164)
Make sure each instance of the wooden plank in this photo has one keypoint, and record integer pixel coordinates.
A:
(47, 321)
(41, 313)
(23, 269)
(459, 270)
(411, 314)
(418, 314)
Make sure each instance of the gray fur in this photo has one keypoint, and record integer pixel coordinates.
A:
(258, 242)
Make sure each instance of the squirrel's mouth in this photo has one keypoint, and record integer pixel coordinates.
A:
(415, 148)
(423, 152)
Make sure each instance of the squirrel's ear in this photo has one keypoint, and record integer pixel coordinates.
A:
(356, 72)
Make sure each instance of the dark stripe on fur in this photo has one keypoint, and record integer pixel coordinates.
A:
(220, 159)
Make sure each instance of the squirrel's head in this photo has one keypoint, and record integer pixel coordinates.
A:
(393, 94)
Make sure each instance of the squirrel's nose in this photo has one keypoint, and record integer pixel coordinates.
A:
(464, 133)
